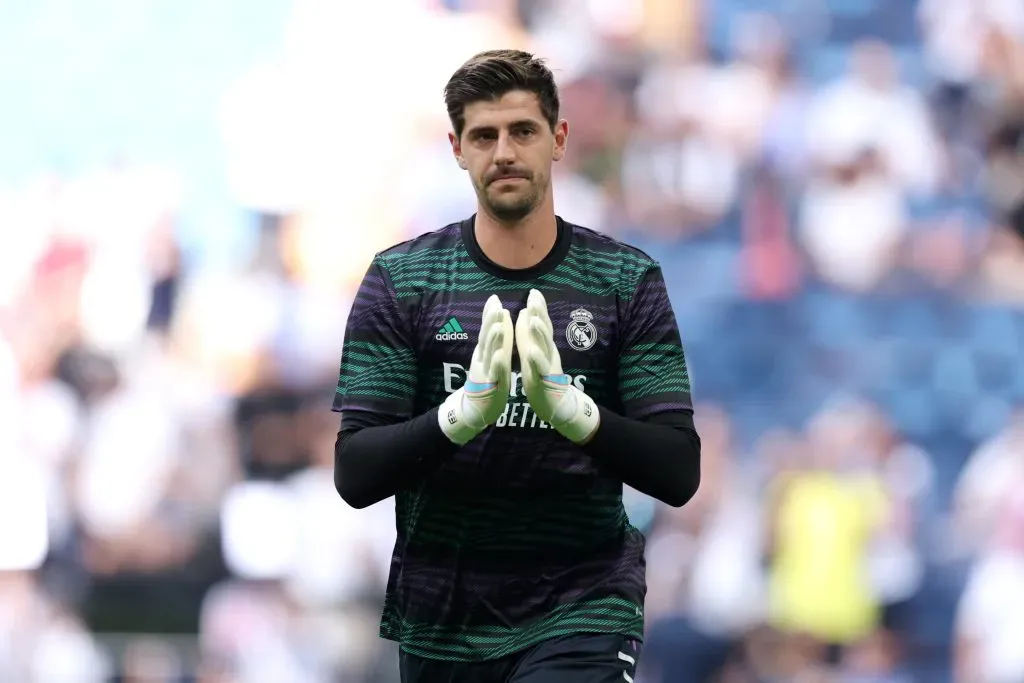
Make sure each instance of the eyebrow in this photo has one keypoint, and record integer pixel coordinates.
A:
(519, 123)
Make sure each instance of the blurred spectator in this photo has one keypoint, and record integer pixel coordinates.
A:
(991, 616)
(827, 513)
(872, 109)
(853, 220)
(989, 478)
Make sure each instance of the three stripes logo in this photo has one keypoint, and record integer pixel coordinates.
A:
(451, 331)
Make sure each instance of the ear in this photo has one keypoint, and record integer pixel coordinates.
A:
(457, 150)
(561, 139)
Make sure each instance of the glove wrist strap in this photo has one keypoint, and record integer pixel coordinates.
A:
(576, 416)
(455, 421)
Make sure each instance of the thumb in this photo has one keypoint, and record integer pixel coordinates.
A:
(522, 332)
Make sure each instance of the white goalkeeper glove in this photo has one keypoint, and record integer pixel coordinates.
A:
(482, 399)
(550, 391)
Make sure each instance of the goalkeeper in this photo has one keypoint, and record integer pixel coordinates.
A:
(502, 377)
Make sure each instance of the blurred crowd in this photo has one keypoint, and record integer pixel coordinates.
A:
(833, 188)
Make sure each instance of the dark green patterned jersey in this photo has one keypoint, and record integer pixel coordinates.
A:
(520, 536)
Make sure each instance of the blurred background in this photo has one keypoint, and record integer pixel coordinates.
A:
(190, 191)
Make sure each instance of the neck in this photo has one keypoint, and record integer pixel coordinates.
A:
(519, 244)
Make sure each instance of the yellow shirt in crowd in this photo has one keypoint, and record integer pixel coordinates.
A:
(819, 581)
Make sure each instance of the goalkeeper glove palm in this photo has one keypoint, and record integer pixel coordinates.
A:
(550, 391)
(480, 402)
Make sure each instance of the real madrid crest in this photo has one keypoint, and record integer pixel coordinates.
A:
(581, 333)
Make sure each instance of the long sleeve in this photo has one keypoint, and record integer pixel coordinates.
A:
(380, 445)
(375, 456)
(659, 456)
(652, 445)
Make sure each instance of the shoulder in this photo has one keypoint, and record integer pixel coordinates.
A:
(408, 266)
(601, 253)
(593, 240)
(415, 249)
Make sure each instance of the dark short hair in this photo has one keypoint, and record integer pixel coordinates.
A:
(490, 75)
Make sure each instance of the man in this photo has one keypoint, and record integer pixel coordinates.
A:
(505, 444)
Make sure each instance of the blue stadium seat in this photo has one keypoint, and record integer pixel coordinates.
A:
(843, 9)
(987, 416)
(913, 412)
(994, 329)
(886, 20)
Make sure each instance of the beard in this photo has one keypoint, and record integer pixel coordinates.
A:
(510, 206)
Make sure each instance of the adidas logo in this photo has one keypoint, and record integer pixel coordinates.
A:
(451, 331)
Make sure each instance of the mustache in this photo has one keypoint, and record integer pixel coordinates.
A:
(508, 173)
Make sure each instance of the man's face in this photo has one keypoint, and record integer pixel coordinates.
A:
(508, 148)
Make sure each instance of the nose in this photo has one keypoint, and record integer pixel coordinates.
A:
(504, 152)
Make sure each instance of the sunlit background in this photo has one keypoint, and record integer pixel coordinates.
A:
(190, 191)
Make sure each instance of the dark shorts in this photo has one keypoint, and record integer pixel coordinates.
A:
(584, 658)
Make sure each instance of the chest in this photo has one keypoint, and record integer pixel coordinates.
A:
(586, 327)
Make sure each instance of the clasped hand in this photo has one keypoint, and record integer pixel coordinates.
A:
(481, 401)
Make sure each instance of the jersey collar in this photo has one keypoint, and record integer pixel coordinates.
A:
(554, 257)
